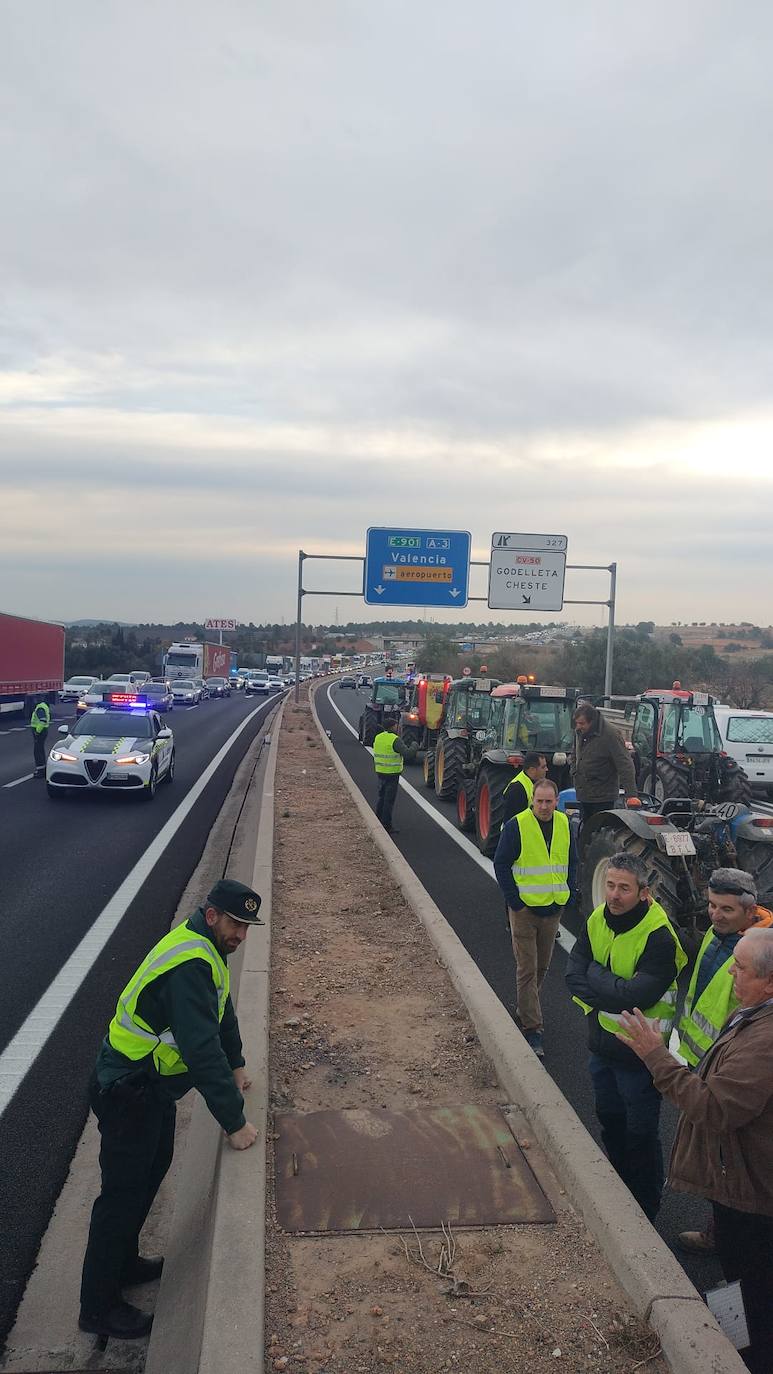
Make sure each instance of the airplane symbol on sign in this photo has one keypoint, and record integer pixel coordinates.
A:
(390, 574)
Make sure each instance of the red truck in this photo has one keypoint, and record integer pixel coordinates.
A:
(31, 662)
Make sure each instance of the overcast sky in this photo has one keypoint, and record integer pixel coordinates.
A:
(275, 273)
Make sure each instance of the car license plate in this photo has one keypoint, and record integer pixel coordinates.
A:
(676, 842)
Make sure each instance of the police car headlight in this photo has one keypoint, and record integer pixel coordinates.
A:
(135, 758)
(59, 756)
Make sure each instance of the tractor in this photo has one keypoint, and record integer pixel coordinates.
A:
(467, 707)
(677, 748)
(389, 696)
(682, 840)
(522, 716)
(423, 716)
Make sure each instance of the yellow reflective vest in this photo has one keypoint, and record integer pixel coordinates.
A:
(132, 1036)
(385, 758)
(542, 877)
(702, 1020)
(526, 783)
(40, 718)
(621, 954)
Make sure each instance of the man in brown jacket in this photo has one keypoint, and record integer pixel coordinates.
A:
(723, 1148)
(600, 762)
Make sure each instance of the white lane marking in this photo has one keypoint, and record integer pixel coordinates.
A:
(21, 1052)
(565, 937)
(14, 730)
(16, 781)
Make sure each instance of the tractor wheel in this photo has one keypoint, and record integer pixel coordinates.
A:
(756, 857)
(450, 757)
(613, 839)
(736, 787)
(490, 807)
(370, 726)
(410, 737)
(670, 782)
(465, 804)
(428, 768)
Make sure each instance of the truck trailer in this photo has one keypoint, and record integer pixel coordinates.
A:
(31, 662)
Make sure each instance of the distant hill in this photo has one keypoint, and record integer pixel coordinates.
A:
(89, 624)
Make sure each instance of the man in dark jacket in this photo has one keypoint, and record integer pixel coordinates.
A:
(175, 1028)
(600, 763)
(723, 1149)
(627, 955)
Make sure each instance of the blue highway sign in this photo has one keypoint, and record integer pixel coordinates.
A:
(416, 567)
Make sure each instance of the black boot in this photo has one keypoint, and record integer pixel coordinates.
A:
(123, 1322)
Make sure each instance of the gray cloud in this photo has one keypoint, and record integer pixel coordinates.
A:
(295, 270)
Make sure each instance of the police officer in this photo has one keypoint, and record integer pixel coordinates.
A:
(40, 721)
(388, 754)
(519, 790)
(531, 864)
(711, 996)
(628, 955)
(174, 1028)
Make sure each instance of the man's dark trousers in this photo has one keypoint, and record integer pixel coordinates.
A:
(628, 1109)
(387, 791)
(136, 1125)
(744, 1245)
(39, 738)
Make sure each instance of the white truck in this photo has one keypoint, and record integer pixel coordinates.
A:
(191, 660)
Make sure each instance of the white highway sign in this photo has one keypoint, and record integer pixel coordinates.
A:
(527, 572)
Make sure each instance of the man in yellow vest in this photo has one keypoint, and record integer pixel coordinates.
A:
(628, 955)
(519, 790)
(531, 864)
(174, 1028)
(388, 754)
(711, 996)
(40, 721)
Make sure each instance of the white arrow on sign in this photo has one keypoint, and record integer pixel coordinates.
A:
(379, 590)
(454, 591)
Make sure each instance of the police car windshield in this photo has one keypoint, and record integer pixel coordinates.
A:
(115, 725)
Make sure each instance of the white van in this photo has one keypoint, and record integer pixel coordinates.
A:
(747, 736)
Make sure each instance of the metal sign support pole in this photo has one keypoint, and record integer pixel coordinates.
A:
(301, 556)
(610, 632)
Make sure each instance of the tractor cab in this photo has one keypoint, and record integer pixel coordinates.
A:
(677, 748)
(388, 696)
(526, 716)
(426, 706)
(464, 724)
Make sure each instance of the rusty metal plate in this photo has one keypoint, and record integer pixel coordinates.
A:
(359, 1170)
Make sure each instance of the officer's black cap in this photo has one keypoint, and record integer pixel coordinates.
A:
(236, 900)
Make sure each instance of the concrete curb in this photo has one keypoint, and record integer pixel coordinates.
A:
(209, 1316)
(645, 1268)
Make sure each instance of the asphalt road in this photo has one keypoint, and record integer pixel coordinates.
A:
(62, 861)
(472, 904)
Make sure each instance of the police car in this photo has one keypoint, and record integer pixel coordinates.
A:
(120, 746)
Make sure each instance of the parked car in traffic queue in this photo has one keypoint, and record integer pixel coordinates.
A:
(218, 686)
(185, 691)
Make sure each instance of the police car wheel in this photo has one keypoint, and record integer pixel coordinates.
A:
(149, 792)
(169, 774)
